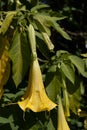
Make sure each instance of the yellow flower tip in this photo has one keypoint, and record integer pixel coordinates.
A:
(62, 123)
(35, 97)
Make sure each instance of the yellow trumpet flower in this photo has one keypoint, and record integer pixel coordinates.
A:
(62, 123)
(35, 97)
(1, 91)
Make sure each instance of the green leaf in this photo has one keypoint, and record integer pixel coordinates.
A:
(79, 63)
(39, 6)
(41, 24)
(16, 56)
(71, 88)
(4, 120)
(60, 53)
(53, 88)
(13, 126)
(85, 60)
(57, 27)
(68, 71)
(74, 100)
(19, 53)
(37, 126)
(10, 118)
(42, 47)
(6, 23)
(50, 125)
(43, 30)
(46, 19)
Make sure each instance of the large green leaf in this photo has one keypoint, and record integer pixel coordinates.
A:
(47, 18)
(71, 88)
(26, 52)
(53, 88)
(68, 71)
(19, 53)
(79, 63)
(40, 23)
(6, 23)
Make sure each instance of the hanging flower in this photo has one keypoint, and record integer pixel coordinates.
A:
(62, 123)
(35, 97)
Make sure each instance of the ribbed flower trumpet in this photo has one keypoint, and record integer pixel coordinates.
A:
(35, 97)
(62, 123)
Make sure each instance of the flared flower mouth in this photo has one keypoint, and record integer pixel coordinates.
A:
(35, 97)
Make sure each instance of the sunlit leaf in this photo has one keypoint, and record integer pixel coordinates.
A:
(6, 23)
(19, 53)
(45, 34)
(39, 6)
(79, 63)
(84, 55)
(40, 24)
(46, 18)
(60, 53)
